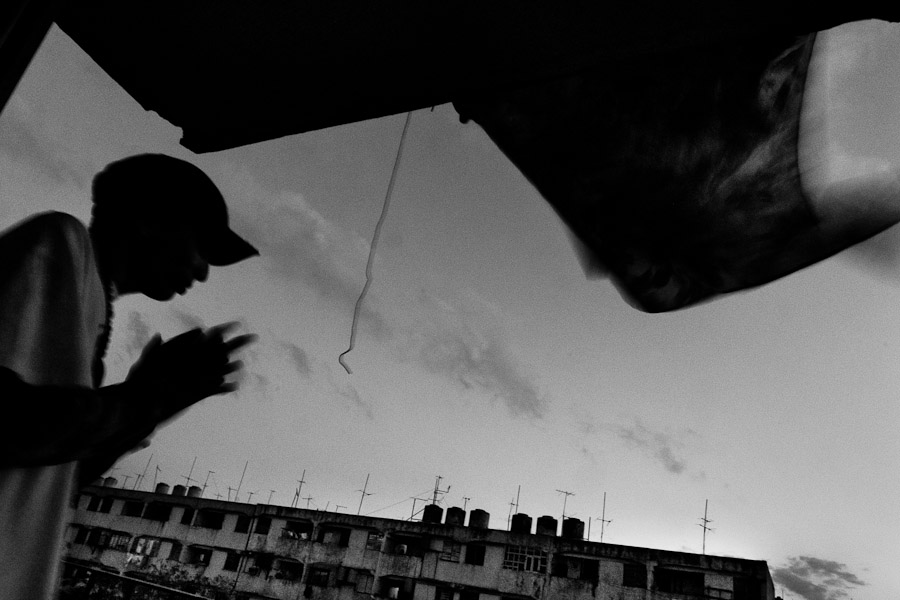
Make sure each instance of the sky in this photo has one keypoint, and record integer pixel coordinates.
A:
(485, 356)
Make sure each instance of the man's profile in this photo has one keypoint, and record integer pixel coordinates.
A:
(157, 225)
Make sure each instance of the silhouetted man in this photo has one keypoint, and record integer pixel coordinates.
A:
(157, 225)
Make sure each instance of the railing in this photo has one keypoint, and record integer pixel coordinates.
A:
(82, 582)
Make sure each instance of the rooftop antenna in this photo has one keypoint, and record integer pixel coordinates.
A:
(218, 496)
(438, 490)
(155, 473)
(124, 483)
(518, 491)
(415, 499)
(238, 490)
(363, 493)
(566, 499)
(308, 498)
(465, 501)
(603, 519)
(203, 491)
(250, 496)
(512, 504)
(271, 493)
(703, 523)
(338, 507)
(141, 478)
(137, 480)
(187, 478)
(231, 489)
(300, 483)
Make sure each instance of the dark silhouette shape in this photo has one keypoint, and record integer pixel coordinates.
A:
(158, 223)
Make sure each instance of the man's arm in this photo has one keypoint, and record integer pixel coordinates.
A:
(49, 424)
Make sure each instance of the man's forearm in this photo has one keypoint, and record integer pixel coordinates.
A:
(49, 425)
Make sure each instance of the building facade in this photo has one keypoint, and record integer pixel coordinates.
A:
(250, 552)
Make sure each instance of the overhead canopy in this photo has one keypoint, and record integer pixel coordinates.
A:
(231, 73)
(664, 134)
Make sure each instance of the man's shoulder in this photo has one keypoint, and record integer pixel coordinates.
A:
(54, 229)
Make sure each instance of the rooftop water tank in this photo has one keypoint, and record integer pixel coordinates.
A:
(162, 488)
(573, 528)
(432, 513)
(178, 490)
(194, 491)
(110, 482)
(479, 518)
(546, 525)
(455, 516)
(521, 523)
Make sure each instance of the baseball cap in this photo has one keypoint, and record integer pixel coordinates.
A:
(172, 188)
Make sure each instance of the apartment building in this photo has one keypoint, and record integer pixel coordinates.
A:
(258, 551)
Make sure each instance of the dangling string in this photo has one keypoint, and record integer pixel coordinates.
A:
(384, 209)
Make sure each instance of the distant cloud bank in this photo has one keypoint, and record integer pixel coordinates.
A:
(464, 343)
(661, 446)
(816, 578)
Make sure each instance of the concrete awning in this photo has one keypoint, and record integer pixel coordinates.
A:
(231, 73)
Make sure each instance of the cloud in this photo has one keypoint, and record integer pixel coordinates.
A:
(816, 578)
(188, 319)
(137, 334)
(350, 393)
(299, 358)
(464, 343)
(299, 245)
(661, 446)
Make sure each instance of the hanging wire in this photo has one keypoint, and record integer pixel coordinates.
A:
(375, 236)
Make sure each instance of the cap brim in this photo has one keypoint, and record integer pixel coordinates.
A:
(227, 248)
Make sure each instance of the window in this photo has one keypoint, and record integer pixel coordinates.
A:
(747, 588)
(318, 576)
(560, 566)
(678, 582)
(525, 558)
(469, 595)
(119, 541)
(334, 536)
(364, 582)
(289, 570)
(263, 562)
(475, 554)
(590, 570)
(450, 551)
(132, 508)
(97, 538)
(297, 530)
(187, 516)
(158, 511)
(145, 546)
(375, 540)
(232, 561)
(243, 524)
(175, 551)
(98, 504)
(209, 519)
(262, 525)
(634, 575)
(443, 594)
(80, 535)
(197, 555)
